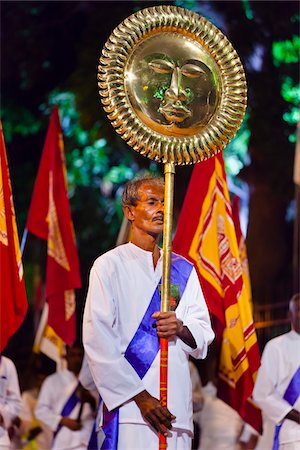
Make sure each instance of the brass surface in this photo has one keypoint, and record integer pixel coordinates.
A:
(172, 85)
(169, 170)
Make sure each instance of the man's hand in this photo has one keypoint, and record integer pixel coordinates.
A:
(86, 397)
(168, 326)
(293, 415)
(72, 424)
(158, 416)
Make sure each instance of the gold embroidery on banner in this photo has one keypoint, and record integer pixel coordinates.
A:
(69, 303)
(55, 243)
(3, 229)
(231, 267)
(16, 239)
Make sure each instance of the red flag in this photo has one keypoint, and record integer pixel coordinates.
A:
(13, 301)
(49, 218)
(206, 235)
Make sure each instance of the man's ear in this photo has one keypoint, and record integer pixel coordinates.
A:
(128, 212)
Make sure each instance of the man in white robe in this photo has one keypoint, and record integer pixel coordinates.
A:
(123, 284)
(10, 399)
(65, 407)
(277, 387)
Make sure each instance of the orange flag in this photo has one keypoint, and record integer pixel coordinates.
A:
(49, 218)
(206, 235)
(13, 301)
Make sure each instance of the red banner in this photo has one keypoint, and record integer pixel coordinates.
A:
(206, 236)
(13, 301)
(49, 218)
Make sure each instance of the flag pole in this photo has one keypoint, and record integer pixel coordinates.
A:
(169, 170)
(23, 242)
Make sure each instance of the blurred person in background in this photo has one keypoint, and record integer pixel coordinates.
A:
(10, 400)
(277, 386)
(33, 434)
(65, 407)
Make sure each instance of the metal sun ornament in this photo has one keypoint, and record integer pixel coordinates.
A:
(172, 85)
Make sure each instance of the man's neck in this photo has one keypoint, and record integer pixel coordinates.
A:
(148, 243)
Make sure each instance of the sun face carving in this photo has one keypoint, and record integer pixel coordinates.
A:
(172, 85)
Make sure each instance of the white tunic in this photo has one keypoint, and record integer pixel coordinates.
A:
(280, 360)
(220, 424)
(54, 393)
(122, 283)
(10, 397)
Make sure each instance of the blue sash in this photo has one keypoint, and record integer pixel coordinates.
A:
(144, 346)
(291, 395)
(68, 408)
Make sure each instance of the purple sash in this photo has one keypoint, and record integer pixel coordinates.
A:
(68, 408)
(291, 395)
(143, 347)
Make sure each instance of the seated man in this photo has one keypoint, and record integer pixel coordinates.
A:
(65, 406)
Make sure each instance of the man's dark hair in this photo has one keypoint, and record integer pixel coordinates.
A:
(130, 194)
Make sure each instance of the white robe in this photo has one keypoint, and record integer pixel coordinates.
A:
(54, 393)
(122, 283)
(10, 397)
(220, 424)
(280, 360)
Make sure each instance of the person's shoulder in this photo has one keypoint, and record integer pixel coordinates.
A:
(8, 362)
(181, 260)
(277, 340)
(53, 377)
(110, 257)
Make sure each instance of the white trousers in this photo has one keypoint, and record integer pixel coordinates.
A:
(142, 437)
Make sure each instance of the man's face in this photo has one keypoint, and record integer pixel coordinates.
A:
(74, 359)
(147, 216)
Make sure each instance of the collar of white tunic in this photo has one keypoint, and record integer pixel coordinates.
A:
(144, 256)
(294, 335)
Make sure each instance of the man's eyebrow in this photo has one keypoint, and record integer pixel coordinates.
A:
(155, 198)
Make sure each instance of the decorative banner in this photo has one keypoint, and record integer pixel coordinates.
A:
(50, 218)
(206, 234)
(13, 301)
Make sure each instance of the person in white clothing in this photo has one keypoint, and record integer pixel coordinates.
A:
(33, 433)
(277, 387)
(122, 325)
(10, 399)
(65, 407)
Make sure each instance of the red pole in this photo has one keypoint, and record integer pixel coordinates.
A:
(163, 384)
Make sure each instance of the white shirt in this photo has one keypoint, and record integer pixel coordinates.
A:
(220, 424)
(55, 391)
(10, 397)
(122, 283)
(280, 360)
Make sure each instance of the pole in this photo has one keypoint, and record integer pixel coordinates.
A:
(23, 242)
(169, 170)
